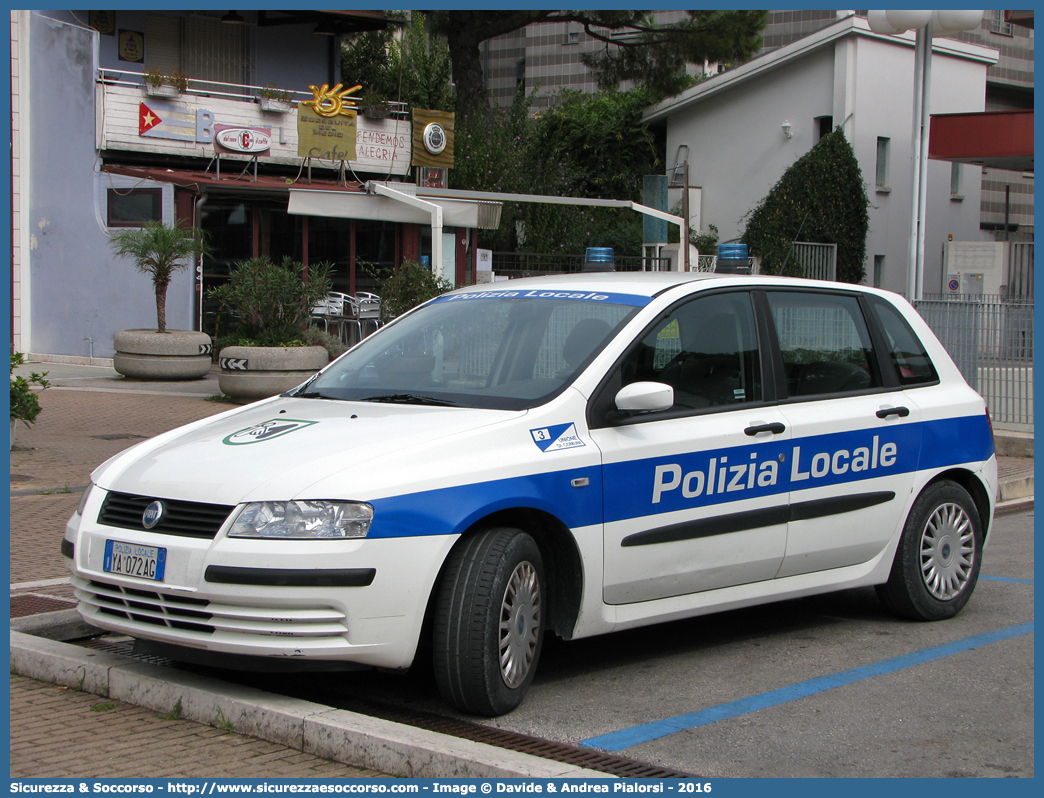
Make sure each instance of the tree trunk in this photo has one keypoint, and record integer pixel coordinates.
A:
(467, 71)
(161, 307)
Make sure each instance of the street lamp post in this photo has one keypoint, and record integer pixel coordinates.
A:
(927, 25)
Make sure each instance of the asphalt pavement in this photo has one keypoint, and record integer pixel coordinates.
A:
(89, 699)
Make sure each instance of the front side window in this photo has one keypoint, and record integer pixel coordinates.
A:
(824, 342)
(706, 350)
(506, 352)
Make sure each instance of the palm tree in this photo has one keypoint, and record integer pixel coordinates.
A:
(159, 251)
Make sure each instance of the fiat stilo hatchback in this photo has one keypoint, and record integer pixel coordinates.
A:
(574, 455)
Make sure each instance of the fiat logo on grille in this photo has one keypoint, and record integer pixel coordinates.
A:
(153, 514)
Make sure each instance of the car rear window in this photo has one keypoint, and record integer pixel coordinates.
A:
(905, 350)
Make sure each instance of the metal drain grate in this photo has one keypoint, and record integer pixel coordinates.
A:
(588, 758)
(31, 604)
(512, 741)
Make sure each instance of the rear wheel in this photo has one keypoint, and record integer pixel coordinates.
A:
(937, 563)
(489, 622)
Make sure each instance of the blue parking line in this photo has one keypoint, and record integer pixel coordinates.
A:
(1006, 579)
(626, 738)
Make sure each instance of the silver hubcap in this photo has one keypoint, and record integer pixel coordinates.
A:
(519, 624)
(947, 551)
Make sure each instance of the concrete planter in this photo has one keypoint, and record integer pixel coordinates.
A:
(164, 91)
(249, 373)
(274, 106)
(172, 355)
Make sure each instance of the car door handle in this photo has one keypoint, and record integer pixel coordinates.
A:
(775, 428)
(902, 412)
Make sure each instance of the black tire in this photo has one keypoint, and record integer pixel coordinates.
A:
(937, 563)
(489, 622)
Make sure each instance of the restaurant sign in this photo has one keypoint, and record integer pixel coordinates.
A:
(327, 138)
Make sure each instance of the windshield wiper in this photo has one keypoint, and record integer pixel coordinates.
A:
(409, 399)
(311, 395)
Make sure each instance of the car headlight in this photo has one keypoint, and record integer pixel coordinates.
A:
(303, 519)
(83, 498)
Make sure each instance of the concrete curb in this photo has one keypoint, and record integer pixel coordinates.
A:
(336, 734)
(1016, 488)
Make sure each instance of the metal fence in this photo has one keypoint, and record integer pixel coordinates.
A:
(990, 338)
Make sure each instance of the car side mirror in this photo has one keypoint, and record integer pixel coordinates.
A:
(645, 397)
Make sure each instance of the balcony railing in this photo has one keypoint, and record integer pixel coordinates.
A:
(229, 91)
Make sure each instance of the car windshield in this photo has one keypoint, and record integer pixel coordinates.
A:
(496, 349)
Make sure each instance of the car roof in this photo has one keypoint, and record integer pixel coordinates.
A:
(642, 283)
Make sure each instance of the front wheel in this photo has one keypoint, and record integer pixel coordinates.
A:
(489, 618)
(937, 563)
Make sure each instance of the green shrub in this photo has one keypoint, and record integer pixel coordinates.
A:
(272, 301)
(334, 346)
(821, 196)
(408, 286)
(25, 404)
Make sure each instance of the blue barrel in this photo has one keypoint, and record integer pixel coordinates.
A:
(599, 259)
(732, 259)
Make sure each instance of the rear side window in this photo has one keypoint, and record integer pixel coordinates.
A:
(824, 342)
(905, 350)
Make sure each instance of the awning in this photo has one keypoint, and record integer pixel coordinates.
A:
(232, 181)
(998, 139)
(479, 215)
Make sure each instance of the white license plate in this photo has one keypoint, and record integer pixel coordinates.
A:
(133, 559)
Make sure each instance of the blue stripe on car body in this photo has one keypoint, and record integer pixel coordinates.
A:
(917, 447)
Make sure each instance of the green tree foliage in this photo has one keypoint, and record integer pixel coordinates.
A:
(635, 47)
(273, 301)
(584, 146)
(414, 69)
(656, 56)
(823, 195)
(159, 250)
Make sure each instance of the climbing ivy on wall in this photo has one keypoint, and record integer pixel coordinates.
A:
(823, 195)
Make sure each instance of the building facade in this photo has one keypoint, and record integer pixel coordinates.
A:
(546, 58)
(96, 150)
(742, 129)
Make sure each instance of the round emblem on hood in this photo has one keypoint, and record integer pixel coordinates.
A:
(153, 514)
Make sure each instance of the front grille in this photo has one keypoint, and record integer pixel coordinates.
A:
(187, 519)
(148, 606)
(319, 625)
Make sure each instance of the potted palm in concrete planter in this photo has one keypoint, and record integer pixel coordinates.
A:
(159, 250)
(273, 303)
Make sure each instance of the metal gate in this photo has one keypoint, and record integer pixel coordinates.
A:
(818, 261)
(990, 338)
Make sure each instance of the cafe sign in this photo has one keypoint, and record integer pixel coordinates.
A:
(245, 140)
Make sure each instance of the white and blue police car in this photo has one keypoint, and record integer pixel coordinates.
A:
(576, 454)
